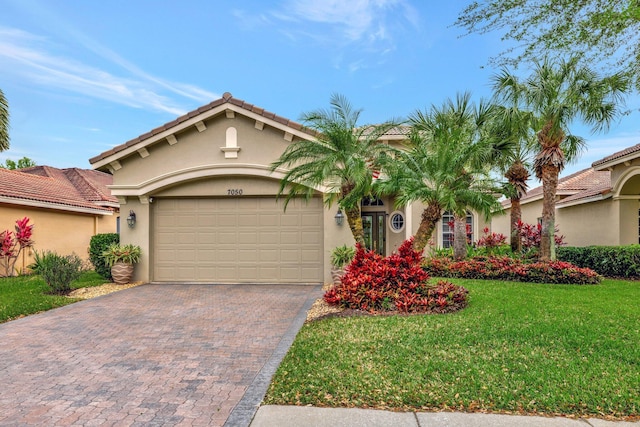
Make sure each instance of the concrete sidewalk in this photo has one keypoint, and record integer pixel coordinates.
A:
(278, 416)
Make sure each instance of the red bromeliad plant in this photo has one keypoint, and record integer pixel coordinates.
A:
(396, 283)
(12, 244)
(530, 236)
(491, 241)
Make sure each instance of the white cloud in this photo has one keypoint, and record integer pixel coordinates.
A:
(29, 56)
(361, 27)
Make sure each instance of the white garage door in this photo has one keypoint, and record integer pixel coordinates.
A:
(237, 240)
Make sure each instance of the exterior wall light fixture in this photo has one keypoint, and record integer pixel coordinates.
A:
(339, 217)
(131, 219)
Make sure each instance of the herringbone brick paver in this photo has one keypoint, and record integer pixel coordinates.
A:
(151, 355)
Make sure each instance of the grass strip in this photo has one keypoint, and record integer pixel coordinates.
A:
(24, 295)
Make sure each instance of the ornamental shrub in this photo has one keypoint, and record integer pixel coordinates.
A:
(58, 271)
(99, 243)
(506, 268)
(395, 283)
(610, 261)
(12, 244)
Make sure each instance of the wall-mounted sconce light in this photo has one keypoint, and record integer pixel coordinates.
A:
(131, 219)
(339, 217)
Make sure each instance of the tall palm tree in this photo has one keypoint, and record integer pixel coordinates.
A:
(341, 159)
(445, 167)
(513, 138)
(4, 122)
(557, 93)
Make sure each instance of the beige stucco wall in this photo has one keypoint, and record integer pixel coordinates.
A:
(593, 223)
(59, 231)
(606, 222)
(196, 149)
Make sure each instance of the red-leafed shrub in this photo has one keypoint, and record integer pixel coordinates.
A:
(505, 268)
(395, 283)
(12, 244)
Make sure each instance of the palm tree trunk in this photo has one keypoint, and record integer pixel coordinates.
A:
(429, 219)
(354, 218)
(549, 187)
(516, 216)
(459, 237)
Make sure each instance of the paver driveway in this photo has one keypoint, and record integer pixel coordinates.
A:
(150, 355)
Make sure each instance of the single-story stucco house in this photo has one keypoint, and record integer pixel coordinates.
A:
(205, 202)
(595, 206)
(66, 206)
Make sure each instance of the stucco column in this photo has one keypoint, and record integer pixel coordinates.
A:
(628, 209)
(139, 234)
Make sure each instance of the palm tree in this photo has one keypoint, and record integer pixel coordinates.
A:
(341, 159)
(556, 93)
(513, 140)
(444, 168)
(4, 122)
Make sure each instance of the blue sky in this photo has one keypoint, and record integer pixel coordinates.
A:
(83, 76)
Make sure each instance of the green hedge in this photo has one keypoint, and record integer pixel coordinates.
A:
(99, 244)
(610, 261)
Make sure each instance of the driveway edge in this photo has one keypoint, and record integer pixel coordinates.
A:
(246, 409)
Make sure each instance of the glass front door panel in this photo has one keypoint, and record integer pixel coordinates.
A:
(373, 224)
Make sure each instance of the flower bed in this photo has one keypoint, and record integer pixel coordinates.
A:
(395, 283)
(506, 268)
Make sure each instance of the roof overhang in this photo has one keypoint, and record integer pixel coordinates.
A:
(55, 206)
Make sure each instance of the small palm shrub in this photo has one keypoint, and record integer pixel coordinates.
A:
(342, 255)
(99, 243)
(395, 283)
(58, 271)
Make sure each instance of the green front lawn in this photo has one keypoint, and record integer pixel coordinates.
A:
(24, 295)
(525, 348)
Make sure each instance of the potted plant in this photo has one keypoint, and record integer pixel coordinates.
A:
(341, 256)
(121, 259)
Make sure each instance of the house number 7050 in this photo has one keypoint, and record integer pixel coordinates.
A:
(234, 192)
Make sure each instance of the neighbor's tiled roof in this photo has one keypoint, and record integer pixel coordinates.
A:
(618, 155)
(227, 98)
(65, 187)
(579, 185)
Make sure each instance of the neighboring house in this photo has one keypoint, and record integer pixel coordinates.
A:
(595, 206)
(66, 206)
(206, 209)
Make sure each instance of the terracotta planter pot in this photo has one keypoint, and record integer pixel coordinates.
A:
(122, 272)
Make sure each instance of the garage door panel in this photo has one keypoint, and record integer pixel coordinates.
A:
(227, 237)
(237, 240)
(289, 237)
(248, 237)
(227, 220)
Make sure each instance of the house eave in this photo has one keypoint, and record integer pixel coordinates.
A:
(596, 198)
(54, 206)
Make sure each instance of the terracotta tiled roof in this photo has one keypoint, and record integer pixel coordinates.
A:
(584, 180)
(65, 187)
(618, 155)
(227, 98)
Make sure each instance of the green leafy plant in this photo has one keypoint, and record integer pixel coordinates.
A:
(58, 271)
(342, 255)
(610, 261)
(129, 254)
(99, 243)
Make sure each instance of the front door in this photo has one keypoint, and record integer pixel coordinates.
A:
(375, 237)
